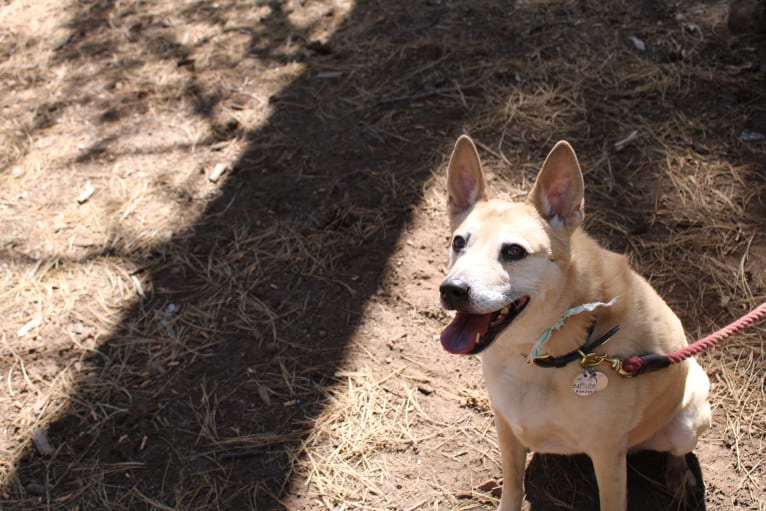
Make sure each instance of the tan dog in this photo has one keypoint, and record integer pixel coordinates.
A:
(514, 269)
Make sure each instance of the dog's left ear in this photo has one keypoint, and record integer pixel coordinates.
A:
(558, 193)
(465, 180)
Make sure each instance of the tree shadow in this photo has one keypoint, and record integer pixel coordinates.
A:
(202, 394)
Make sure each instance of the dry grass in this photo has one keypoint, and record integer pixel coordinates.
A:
(264, 340)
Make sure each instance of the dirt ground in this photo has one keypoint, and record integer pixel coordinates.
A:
(222, 233)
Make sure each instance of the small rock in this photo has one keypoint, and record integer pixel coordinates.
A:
(86, 194)
(637, 43)
(240, 101)
(218, 171)
(41, 441)
(425, 389)
(263, 393)
(29, 326)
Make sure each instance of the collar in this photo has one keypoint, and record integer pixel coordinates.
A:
(586, 307)
(579, 353)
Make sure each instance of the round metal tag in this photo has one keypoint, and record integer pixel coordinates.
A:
(587, 382)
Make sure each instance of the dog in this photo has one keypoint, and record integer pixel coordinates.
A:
(531, 289)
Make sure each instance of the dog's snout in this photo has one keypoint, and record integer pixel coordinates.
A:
(454, 292)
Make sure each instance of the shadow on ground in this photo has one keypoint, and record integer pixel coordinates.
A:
(200, 397)
(556, 482)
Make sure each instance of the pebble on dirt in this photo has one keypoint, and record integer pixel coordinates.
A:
(41, 441)
(218, 171)
(86, 194)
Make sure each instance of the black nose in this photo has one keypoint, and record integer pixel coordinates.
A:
(454, 292)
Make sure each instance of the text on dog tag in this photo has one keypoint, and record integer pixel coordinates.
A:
(588, 382)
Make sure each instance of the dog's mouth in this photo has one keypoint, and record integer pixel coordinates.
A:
(469, 334)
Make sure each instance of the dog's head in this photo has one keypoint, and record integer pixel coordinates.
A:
(505, 256)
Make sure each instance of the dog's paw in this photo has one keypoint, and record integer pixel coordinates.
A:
(514, 504)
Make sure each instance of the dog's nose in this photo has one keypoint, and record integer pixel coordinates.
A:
(454, 292)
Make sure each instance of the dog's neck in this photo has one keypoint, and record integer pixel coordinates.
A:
(587, 282)
(577, 311)
(572, 335)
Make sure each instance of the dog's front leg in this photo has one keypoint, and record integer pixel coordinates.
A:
(514, 456)
(611, 467)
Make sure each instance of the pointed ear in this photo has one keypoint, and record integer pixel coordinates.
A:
(558, 193)
(465, 180)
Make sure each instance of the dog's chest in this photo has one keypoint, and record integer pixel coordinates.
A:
(542, 409)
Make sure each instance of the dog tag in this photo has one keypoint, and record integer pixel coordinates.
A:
(587, 382)
(601, 381)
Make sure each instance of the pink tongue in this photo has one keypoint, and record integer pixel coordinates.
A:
(460, 336)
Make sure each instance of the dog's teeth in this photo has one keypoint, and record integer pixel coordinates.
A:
(505, 311)
(478, 338)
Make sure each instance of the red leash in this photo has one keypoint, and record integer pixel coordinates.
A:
(637, 364)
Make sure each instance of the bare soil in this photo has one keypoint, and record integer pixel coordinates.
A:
(265, 340)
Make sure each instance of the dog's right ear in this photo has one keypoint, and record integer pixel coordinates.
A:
(465, 180)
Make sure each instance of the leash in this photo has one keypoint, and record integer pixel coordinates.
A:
(640, 364)
(636, 365)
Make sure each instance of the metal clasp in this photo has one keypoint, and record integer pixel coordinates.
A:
(590, 360)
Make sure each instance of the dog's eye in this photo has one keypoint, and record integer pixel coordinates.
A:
(458, 243)
(513, 252)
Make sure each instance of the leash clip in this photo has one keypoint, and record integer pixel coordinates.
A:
(591, 360)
